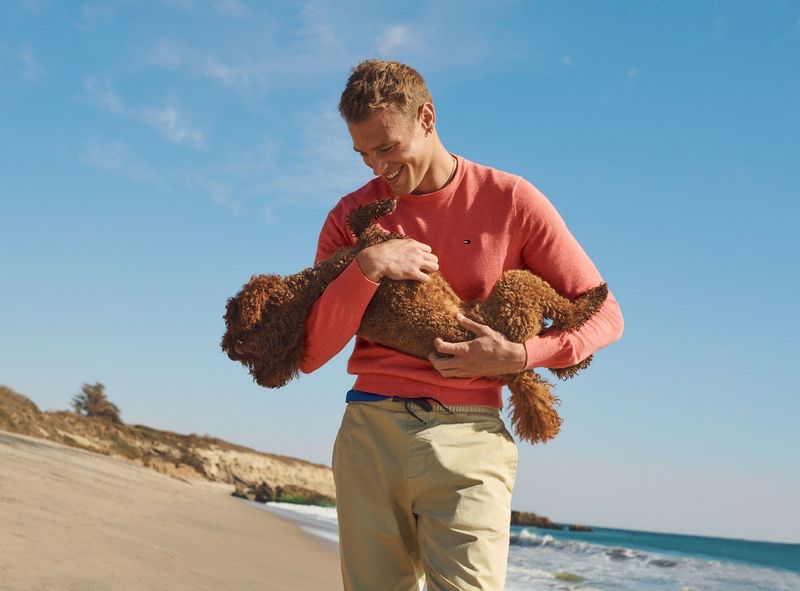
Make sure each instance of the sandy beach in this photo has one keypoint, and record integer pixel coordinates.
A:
(71, 520)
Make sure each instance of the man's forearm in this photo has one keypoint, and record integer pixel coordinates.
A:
(335, 317)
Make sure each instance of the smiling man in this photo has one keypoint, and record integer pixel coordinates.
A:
(423, 464)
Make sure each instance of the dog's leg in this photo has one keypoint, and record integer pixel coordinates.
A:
(574, 316)
(575, 313)
(363, 217)
(516, 305)
(565, 373)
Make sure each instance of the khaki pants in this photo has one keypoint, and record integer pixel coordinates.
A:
(430, 498)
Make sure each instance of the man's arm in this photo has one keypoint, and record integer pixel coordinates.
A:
(336, 315)
(490, 353)
(549, 250)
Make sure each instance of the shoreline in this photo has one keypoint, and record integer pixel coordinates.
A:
(75, 520)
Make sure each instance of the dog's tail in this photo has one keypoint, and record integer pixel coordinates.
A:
(532, 410)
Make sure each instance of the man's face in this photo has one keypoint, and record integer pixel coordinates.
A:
(396, 148)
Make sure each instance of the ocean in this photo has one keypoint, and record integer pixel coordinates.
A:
(617, 560)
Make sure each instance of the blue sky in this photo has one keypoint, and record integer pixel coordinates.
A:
(154, 155)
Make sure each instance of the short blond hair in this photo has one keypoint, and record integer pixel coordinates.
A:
(375, 84)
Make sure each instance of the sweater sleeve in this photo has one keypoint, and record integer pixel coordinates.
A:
(553, 253)
(336, 315)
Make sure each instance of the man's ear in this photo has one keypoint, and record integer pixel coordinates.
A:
(426, 115)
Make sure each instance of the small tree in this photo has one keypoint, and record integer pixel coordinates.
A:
(92, 402)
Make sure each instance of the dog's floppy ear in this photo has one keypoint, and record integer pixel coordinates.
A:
(363, 217)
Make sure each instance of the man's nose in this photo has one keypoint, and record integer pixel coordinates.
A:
(378, 166)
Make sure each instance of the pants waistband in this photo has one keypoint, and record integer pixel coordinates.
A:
(400, 403)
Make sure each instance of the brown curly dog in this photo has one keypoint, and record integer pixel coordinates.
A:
(265, 320)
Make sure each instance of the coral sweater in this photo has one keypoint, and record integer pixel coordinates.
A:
(482, 223)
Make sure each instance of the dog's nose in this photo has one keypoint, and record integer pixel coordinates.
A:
(237, 352)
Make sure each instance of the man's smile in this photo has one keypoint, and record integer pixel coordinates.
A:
(392, 175)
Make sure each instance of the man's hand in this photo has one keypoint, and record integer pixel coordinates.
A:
(488, 354)
(398, 259)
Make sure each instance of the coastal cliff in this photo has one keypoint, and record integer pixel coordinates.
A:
(181, 456)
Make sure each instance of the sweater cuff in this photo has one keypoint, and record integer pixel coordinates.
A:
(355, 264)
(543, 350)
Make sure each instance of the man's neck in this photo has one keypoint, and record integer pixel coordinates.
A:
(442, 171)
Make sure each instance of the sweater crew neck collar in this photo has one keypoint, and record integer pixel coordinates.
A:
(444, 192)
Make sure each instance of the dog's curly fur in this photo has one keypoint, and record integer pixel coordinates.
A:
(265, 320)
